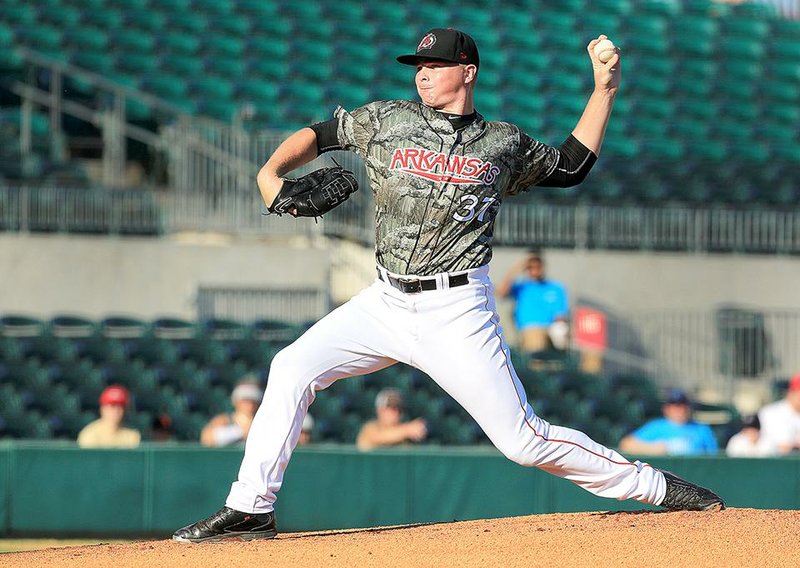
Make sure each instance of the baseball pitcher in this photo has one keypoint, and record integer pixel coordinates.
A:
(439, 172)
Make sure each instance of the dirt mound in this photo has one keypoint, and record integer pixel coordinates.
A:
(734, 537)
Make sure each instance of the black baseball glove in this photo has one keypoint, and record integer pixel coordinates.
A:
(315, 193)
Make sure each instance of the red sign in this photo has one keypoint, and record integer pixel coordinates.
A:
(589, 328)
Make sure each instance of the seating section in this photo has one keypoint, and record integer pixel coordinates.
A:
(709, 109)
(53, 371)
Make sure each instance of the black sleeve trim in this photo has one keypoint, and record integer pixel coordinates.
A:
(327, 138)
(574, 162)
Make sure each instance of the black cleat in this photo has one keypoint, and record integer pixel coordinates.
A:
(229, 524)
(683, 495)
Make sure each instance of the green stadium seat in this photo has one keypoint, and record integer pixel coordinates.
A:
(133, 40)
(122, 327)
(222, 110)
(190, 22)
(785, 49)
(179, 42)
(97, 62)
(225, 45)
(17, 325)
(165, 85)
(6, 35)
(41, 37)
(10, 350)
(173, 328)
(153, 351)
(100, 349)
(213, 87)
(254, 353)
(754, 10)
(349, 95)
(187, 427)
(790, 153)
(30, 426)
(745, 27)
(741, 49)
(22, 14)
(776, 131)
(146, 19)
(103, 17)
(87, 38)
(183, 65)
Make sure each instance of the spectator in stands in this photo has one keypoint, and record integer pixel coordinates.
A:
(780, 421)
(388, 428)
(541, 310)
(228, 429)
(747, 442)
(674, 434)
(162, 430)
(108, 431)
(305, 432)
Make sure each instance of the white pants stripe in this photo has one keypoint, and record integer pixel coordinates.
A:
(453, 335)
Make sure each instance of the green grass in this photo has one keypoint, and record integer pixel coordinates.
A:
(22, 544)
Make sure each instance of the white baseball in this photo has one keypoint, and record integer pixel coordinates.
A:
(604, 50)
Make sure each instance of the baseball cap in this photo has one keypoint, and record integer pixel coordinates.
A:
(247, 391)
(677, 396)
(444, 44)
(389, 397)
(114, 394)
(794, 382)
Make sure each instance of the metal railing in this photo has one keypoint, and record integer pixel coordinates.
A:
(719, 349)
(71, 210)
(293, 305)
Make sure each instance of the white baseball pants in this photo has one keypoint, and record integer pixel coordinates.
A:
(455, 337)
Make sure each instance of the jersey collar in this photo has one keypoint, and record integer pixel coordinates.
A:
(442, 126)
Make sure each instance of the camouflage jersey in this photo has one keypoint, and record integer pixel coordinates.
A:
(437, 191)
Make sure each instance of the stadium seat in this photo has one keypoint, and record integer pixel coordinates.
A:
(12, 325)
(100, 349)
(229, 374)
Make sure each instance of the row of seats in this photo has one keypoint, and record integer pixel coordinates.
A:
(53, 371)
(221, 62)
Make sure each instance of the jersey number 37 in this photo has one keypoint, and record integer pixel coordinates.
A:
(469, 208)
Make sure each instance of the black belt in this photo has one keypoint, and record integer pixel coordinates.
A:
(414, 285)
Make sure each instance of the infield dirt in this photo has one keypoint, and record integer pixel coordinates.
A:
(734, 537)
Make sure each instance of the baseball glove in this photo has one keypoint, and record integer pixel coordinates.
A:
(315, 193)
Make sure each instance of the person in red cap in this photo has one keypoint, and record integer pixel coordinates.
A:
(108, 431)
(780, 421)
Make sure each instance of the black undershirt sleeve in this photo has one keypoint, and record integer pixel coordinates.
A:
(574, 162)
(327, 139)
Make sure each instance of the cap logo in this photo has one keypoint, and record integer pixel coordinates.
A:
(426, 42)
(462, 56)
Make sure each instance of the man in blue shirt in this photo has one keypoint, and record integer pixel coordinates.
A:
(541, 308)
(675, 434)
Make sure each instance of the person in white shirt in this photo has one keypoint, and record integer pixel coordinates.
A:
(780, 421)
(747, 442)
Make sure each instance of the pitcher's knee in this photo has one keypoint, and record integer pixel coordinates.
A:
(287, 369)
(524, 453)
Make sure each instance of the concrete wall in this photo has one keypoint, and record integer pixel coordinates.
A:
(95, 276)
(646, 281)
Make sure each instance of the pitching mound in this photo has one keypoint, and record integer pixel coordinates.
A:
(734, 537)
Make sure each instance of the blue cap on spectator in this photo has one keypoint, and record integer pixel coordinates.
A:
(677, 396)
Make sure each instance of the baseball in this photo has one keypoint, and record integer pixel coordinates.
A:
(604, 50)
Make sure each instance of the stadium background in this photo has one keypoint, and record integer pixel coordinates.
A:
(133, 250)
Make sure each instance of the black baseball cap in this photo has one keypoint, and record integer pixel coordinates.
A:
(445, 44)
